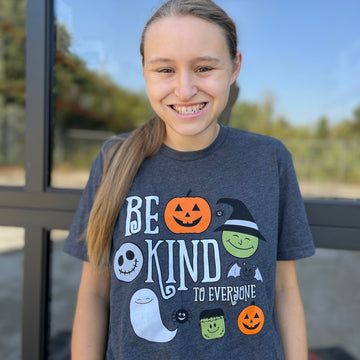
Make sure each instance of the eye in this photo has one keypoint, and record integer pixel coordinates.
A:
(165, 71)
(178, 208)
(256, 316)
(121, 260)
(195, 208)
(203, 69)
(130, 255)
(246, 316)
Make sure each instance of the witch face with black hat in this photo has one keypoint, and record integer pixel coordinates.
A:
(240, 233)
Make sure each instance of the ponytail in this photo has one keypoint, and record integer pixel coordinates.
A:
(121, 165)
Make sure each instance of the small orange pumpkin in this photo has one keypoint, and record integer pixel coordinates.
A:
(251, 320)
(186, 215)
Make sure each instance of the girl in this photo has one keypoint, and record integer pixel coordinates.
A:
(191, 228)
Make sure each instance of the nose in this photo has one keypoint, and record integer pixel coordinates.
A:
(185, 87)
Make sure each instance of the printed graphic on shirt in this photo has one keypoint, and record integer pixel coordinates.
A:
(128, 262)
(174, 262)
(146, 319)
(212, 324)
(251, 320)
(187, 215)
(231, 294)
(240, 233)
(246, 271)
(181, 316)
(192, 255)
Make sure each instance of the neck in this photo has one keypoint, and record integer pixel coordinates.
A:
(191, 142)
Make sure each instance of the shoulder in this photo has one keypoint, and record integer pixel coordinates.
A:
(113, 141)
(107, 150)
(258, 144)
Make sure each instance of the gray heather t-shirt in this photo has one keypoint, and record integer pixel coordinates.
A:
(195, 248)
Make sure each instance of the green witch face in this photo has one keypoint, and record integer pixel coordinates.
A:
(240, 233)
(240, 245)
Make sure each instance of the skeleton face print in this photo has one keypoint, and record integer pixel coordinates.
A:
(128, 262)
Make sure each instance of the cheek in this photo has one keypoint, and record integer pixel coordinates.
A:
(255, 243)
(214, 85)
(223, 80)
(157, 89)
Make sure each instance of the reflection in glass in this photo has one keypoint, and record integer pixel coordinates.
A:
(90, 105)
(12, 92)
(296, 84)
(65, 272)
(11, 281)
(329, 285)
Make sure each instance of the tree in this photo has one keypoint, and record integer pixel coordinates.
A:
(12, 81)
(322, 128)
(356, 122)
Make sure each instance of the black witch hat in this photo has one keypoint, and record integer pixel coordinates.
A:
(241, 220)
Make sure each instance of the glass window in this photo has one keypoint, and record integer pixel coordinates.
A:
(11, 281)
(98, 86)
(12, 92)
(329, 285)
(297, 83)
(64, 279)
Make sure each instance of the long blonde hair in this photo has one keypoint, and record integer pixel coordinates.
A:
(124, 159)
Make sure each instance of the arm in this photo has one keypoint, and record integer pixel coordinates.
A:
(290, 312)
(89, 337)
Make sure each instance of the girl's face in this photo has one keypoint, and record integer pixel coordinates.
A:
(188, 73)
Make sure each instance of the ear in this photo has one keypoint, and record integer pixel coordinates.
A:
(236, 67)
(142, 61)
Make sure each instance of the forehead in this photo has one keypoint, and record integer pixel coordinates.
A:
(184, 35)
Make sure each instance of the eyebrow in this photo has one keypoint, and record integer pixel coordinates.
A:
(199, 58)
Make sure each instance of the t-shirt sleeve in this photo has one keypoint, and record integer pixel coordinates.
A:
(295, 239)
(75, 243)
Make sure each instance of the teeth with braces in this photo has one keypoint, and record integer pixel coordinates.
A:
(188, 109)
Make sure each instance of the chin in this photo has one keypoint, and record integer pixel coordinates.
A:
(192, 130)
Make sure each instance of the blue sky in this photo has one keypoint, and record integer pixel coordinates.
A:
(304, 54)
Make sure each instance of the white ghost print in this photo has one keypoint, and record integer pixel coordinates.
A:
(145, 317)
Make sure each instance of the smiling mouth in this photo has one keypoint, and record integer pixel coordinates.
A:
(213, 332)
(193, 109)
(239, 248)
(129, 271)
(143, 302)
(251, 327)
(188, 224)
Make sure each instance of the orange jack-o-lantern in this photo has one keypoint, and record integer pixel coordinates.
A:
(184, 215)
(251, 320)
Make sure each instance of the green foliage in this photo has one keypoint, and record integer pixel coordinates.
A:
(12, 81)
(12, 51)
(322, 129)
(356, 122)
(85, 99)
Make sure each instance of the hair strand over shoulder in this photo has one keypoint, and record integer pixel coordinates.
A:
(122, 162)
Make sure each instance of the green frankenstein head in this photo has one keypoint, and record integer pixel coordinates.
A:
(212, 324)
